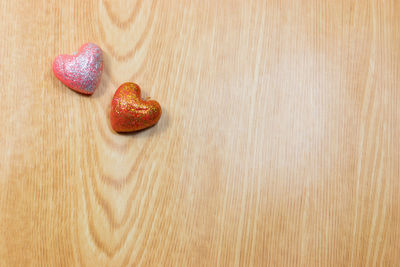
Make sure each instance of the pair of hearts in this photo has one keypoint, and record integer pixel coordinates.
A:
(82, 72)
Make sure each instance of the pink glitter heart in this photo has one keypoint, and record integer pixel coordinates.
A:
(80, 72)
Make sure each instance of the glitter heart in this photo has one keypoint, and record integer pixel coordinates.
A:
(80, 72)
(129, 112)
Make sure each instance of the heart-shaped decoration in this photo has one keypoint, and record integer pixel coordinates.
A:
(80, 72)
(129, 112)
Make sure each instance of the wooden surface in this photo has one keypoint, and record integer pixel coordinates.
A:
(278, 144)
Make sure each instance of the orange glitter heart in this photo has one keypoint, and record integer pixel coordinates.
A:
(129, 112)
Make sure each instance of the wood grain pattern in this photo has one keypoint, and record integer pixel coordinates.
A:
(278, 144)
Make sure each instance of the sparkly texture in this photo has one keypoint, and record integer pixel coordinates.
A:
(80, 72)
(129, 112)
